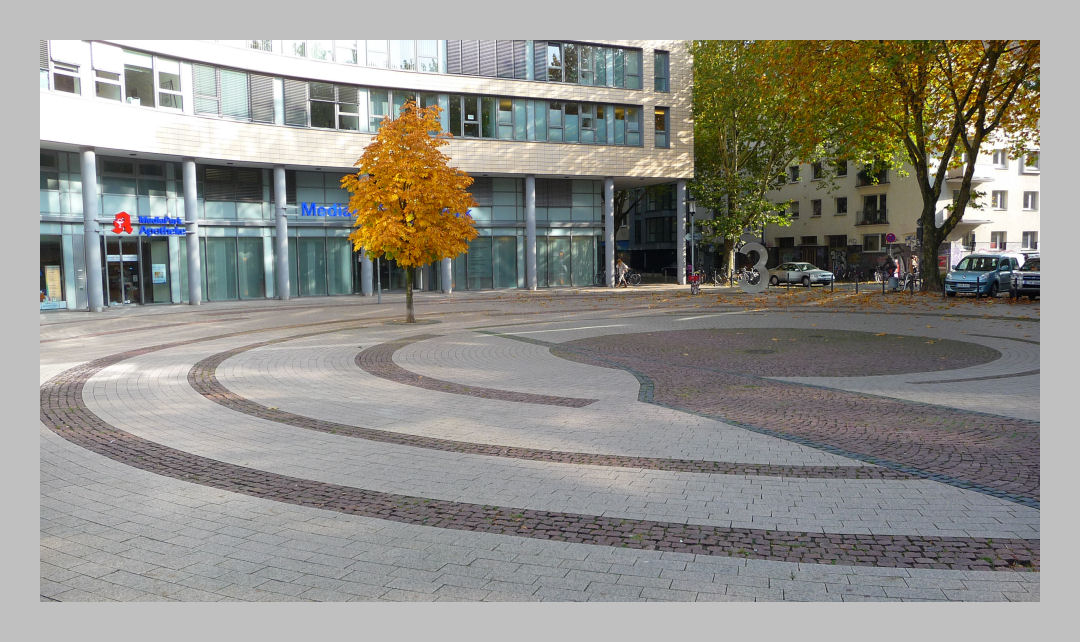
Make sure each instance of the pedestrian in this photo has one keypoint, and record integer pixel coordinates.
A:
(914, 265)
(621, 269)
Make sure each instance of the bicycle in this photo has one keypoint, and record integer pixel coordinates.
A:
(751, 276)
(632, 278)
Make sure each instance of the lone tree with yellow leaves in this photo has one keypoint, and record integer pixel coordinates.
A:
(410, 205)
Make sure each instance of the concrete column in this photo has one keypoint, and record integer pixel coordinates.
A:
(609, 231)
(281, 235)
(680, 232)
(530, 232)
(447, 275)
(191, 220)
(366, 286)
(91, 231)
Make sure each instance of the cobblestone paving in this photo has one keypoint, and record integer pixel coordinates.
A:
(725, 374)
(140, 517)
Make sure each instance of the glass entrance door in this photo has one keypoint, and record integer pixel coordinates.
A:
(124, 284)
(154, 258)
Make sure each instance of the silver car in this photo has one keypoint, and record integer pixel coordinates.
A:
(1025, 279)
(795, 272)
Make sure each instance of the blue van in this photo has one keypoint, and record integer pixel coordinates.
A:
(982, 273)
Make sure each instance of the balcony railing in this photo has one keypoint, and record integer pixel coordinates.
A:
(866, 178)
(873, 217)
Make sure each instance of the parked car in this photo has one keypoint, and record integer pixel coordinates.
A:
(982, 273)
(794, 272)
(1025, 279)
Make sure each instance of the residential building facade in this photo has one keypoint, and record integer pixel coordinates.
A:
(866, 214)
(190, 171)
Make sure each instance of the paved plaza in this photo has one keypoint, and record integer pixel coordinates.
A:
(567, 445)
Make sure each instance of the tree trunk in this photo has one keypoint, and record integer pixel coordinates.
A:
(409, 318)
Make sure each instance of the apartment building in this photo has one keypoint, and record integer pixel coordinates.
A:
(190, 171)
(869, 212)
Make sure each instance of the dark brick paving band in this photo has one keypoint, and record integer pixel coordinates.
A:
(64, 411)
(723, 374)
(203, 379)
(378, 360)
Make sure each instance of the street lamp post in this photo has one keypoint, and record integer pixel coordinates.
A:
(691, 209)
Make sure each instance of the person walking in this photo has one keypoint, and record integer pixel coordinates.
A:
(621, 269)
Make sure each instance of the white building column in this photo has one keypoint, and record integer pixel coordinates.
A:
(191, 221)
(530, 232)
(680, 232)
(609, 231)
(281, 235)
(366, 286)
(447, 276)
(91, 231)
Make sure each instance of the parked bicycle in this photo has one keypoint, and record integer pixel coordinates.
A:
(632, 277)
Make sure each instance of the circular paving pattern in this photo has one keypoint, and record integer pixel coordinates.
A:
(723, 374)
(848, 480)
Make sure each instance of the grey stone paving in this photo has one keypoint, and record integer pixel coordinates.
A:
(112, 532)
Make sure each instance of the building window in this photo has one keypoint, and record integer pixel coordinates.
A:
(793, 173)
(873, 242)
(815, 207)
(793, 209)
(841, 168)
(997, 240)
(1031, 200)
(402, 54)
(1029, 163)
(816, 171)
(661, 117)
(1001, 159)
(841, 205)
(808, 240)
(107, 85)
(66, 78)
(1031, 240)
(661, 79)
(837, 241)
(969, 242)
(998, 199)
(168, 84)
(785, 241)
(874, 210)
(427, 55)
(378, 53)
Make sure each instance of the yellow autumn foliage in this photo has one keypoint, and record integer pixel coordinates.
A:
(410, 205)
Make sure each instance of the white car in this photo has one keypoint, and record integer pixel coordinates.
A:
(795, 272)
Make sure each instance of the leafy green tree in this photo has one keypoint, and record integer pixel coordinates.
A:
(748, 129)
(930, 104)
(410, 205)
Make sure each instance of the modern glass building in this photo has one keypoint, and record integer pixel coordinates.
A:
(190, 171)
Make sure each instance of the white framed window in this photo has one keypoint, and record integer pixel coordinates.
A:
(66, 78)
(1031, 240)
(997, 240)
(872, 242)
(1029, 163)
(1001, 159)
(999, 199)
(168, 84)
(1031, 201)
